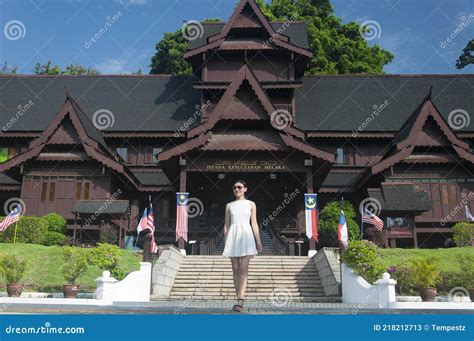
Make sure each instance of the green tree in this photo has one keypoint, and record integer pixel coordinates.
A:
(337, 48)
(467, 56)
(8, 69)
(328, 221)
(73, 70)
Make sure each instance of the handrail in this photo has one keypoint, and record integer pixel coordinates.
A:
(209, 245)
(281, 243)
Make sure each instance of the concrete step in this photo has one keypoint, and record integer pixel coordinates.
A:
(250, 285)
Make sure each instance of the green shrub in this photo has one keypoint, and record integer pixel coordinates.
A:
(362, 256)
(423, 272)
(404, 287)
(463, 234)
(74, 263)
(12, 268)
(56, 223)
(106, 257)
(29, 230)
(328, 221)
(448, 280)
(466, 276)
(54, 238)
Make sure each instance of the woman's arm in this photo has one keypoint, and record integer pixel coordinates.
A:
(226, 220)
(253, 221)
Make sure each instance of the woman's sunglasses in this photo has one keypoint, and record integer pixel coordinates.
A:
(237, 187)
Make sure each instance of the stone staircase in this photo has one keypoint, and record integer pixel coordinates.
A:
(273, 279)
(269, 248)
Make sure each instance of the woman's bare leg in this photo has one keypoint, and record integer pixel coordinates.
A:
(244, 275)
(236, 273)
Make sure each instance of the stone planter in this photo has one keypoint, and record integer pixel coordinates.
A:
(427, 294)
(14, 289)
(70, 290)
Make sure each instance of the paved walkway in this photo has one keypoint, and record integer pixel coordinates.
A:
(61, 306)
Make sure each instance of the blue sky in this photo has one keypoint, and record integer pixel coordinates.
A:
(414, 30)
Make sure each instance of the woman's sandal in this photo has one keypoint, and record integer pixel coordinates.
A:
(238, 307)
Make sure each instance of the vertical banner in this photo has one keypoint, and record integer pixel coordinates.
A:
(182, 216)
(311, 215)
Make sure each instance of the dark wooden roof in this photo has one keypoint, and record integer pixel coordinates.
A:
(138, 103)
(296, 32)
(326, 104)
(400, 197)
(343, 103)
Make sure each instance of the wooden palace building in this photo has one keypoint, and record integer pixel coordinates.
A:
(94, 148)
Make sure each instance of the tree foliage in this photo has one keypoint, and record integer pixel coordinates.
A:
(467, 56)
(337, 48)
(72, 70)
(328, 221)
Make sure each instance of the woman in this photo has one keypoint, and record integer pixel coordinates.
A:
(239, 239)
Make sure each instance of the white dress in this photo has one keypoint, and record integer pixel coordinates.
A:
(240, 239)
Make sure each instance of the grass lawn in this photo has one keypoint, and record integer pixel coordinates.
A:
(447, 258)
(44, 272)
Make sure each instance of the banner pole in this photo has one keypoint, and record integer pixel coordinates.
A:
(14, 235)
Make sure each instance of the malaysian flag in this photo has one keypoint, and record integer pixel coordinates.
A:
(372, 219)
(182, 216)
(311, 215)
(10, 219)
(147, 223)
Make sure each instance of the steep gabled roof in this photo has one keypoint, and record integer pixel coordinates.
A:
(406, 140)
(90, 139)
(244, 74)
(278, 39)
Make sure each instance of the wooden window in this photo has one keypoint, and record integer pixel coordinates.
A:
(44, 189)
(343, 156)
(52, 187)
(151, 154)
(77, 195)
(86, 190)
(121, 154)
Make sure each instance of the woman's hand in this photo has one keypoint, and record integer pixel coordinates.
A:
(259, 246)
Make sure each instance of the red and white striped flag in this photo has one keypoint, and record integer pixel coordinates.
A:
(147, 223)
(182, 216)
(371, 218)
(10, 219)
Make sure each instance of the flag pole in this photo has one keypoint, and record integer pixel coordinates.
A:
(14, 234)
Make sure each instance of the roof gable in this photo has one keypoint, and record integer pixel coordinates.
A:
(425, 128)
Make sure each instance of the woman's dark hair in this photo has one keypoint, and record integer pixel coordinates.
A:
(242, 182)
